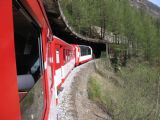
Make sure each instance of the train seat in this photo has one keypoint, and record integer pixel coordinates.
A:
(25, 82)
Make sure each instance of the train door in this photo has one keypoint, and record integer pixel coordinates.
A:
(49, 60)
(62, 62)
(52, 90)
(58, 62)
(77, 54)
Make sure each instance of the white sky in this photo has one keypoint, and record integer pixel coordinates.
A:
(157, 2)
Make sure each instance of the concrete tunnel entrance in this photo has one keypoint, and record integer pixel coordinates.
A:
(97, 47)
(60, 32)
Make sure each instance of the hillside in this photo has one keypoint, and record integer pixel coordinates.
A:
(132, 90)
(138, 27)
(153, 9)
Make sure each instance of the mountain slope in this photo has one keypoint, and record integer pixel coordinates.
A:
(153, 9)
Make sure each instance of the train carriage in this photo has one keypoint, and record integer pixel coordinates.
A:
(34, 63)
(83, 54)
(26, 69)
(64, 60)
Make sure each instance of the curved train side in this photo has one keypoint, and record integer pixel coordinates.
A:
(67, 56)
(34, 63)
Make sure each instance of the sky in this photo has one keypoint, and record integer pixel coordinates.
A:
(157, 2)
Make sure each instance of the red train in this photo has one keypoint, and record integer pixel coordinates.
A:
(33, 62)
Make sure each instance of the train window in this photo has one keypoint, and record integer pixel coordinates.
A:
(28, 49)
(64, 55)
(85, 50)
(89, 51)
(67, 55)
(57, 56)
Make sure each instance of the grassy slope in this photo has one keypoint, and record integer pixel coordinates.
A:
(133, 95)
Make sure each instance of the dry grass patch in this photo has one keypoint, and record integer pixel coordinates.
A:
(132, 94)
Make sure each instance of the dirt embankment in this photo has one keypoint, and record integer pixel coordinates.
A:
(73, 100)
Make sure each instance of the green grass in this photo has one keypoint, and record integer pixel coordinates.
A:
(131, 94)
(94, 89)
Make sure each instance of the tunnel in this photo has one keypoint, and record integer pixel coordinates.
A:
(61, 29)
(72, 39)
